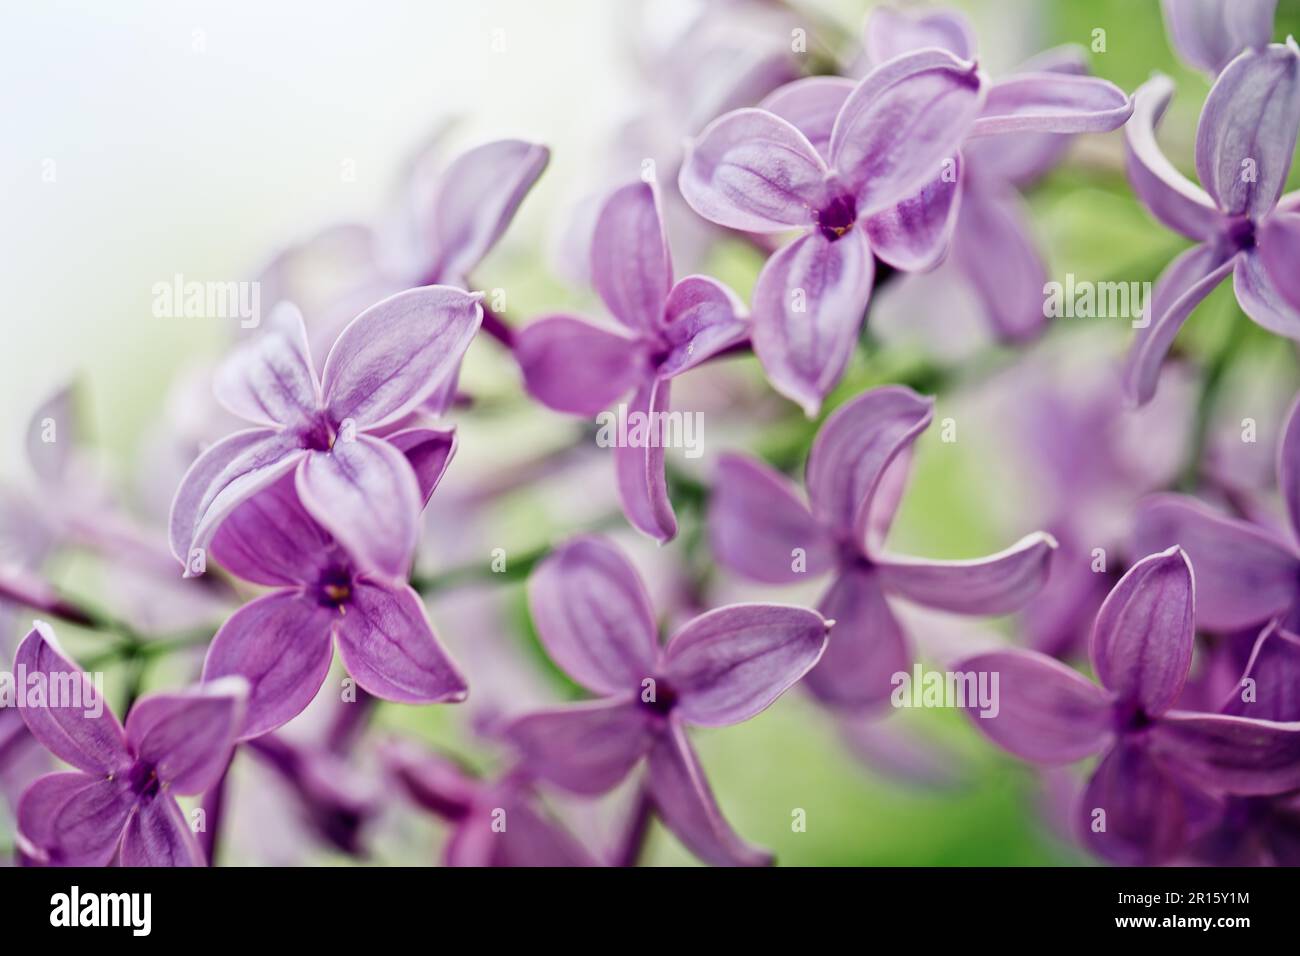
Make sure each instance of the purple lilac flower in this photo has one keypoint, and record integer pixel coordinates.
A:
(282, 642)
(1208, 34)
(1247, 573)
(1244, 146)
(1153, 788)
(494, 822)
(855, 477)
(333, 433)
(664, 329)
(721, 668)
(119, 804)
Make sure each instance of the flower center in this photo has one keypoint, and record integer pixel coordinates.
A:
(143, 779)
(334, 587)
(658, 697)
(319, 436)
(1132, 719)
(837, 217)
(1238, 234)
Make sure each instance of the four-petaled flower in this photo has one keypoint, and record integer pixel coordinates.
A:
(722, 667)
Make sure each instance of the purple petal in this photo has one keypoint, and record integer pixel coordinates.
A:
(1261, 299)
(1278, 243)
(998, 584)
(271, 381)
(1207, 34)
(702, 317)
(271, 539)
(585, 748)
(280, 644)
(1170, 196)
(1050, 102)
(1247, 131)
(71, 719)
(397, 353)
(1274, 670)
(1244, 574)
(890, 33)
(51, 459)
(1142, 641)
(530, 838)
(573, 366)
(365, 494)
(767, 550)
(854, 448)
(901, 122)
(866, 647)
(1180, 289)
(1231, 754)
(388, 645)
(158, 835)
(1043, 710)
(811, 104)
(680, 791)
(70, 819)
(594, 617)
(630, 264)
(732, 663)
(914, 234)
(639, 465)
(993, 245)
(753, 171)
(429, 451)
(809, 304)
(187, 737)
(1288, 466)
(226, 475)
(477, 197)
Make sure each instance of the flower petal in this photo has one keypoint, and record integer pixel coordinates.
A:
(158, 835)
(1179, 290)
(753, 171)
(786, 546)
(901, 122)
(594, 616)
(1141, 644)
(573, 366)
(1207, 34)
(1043, 710)
(280, 644)
(1170, 196)
(1050, 102)
(1274, 674)
(388, 645)
(703, 317)
(1244, 574)
(998, 584)
(70, 819)
(271, 381)
(809, 304)
(188, 736)
(429, 451)
(71, 719)
(1278, 242)
(1260, 298)
(1288, 466)
(731, 663)
(476, 199)
(890, 33)
(639, 465)
(585, 748)
(913, 235)
(854, 448)
(1247, 132)
(1231, 754)
(867, 647)
(226, 475)
(811, 104)
(630, 265)
(680, 791)
(365, 494)
(54, 432)
(397, 353)
(271, 539)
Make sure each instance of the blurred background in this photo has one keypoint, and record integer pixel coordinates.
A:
(150, 139)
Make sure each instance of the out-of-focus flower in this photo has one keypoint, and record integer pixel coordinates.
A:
(495, 822)
(282, 643)
(856, 475)
(1208, 34)
(1148, 795)
(1246, 573)
(1244, 146)
(665, 329)
(337, 434)
(723, 667)
(119, 805)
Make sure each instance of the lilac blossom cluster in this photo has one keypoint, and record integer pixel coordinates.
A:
(297, 521)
